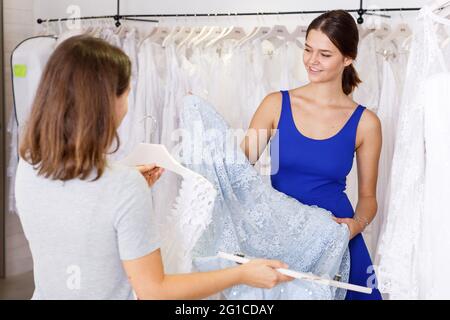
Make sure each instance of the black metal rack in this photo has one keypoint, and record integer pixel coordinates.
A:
(361, 11)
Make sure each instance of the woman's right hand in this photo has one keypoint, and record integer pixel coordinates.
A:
(261, 273)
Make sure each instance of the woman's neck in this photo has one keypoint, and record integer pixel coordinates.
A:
(327, 93)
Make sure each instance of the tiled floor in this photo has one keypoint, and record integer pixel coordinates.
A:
(19, 287)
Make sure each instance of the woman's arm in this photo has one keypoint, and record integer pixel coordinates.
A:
(148, 280)
(261, 127)
(367, 158)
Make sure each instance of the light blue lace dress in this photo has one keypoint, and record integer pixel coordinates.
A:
(252, 218)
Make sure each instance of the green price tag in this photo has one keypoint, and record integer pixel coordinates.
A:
(20, 70)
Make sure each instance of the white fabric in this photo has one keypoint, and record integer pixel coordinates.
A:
(388, 114)
(414, 246)
(25, 87)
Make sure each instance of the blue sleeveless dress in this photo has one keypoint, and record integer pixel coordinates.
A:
(314, 172)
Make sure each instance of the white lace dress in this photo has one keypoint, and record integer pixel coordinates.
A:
(414, 246)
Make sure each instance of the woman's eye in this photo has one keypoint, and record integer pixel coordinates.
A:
(307, 50)
(325, 55)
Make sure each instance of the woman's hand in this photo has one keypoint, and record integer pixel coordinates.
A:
(261, 273)
(354, 226)
(151, 173)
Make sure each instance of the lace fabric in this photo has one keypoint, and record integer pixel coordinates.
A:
(401, 250)
(251, 217)
(184, 224)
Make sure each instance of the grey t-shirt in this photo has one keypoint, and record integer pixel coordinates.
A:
(80, 231)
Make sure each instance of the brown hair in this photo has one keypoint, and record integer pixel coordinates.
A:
(340, 27)
(73, 120)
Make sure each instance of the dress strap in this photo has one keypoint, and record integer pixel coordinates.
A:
(286, 119)
(352, 125)
(355, 117)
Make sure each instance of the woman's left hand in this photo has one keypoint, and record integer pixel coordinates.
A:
(353, 225)
(151, 173)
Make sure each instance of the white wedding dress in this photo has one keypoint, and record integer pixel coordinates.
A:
(415, 243)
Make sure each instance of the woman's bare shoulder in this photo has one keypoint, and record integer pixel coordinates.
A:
(370, 121)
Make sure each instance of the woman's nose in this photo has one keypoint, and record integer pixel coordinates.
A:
(314, 59)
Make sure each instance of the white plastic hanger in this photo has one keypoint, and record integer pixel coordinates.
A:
(170, 36)
(258, 31)
(438, 5)
(180, 36)
(218, 36)
(383, 31)
(235, 32)
(205, 35)
(198, 36)
(146, 153)
(299, 32)
(278, 31)
(93, 30)
(147, 35)
(400, 33)
(208, 35)
(184, 32)
(301, 275)
(194, 32)
(232, 32)
(104, 24)
(160, 34)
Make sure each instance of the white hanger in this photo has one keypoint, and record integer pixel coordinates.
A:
(183, 33)
(274, 35)
(160, 34)
(195, 31)
(94, 28)
(89, 27)
(401, 32)
(148, 35)
(276, 31)
(170, 36)
(146, 153)
(104, 23)
(383, 31)
(252, 34)
(211, 32)
(299, 32)
(218, 37)
(235, 32)
(445, 12)
(301, 275)
(232, 32)
(200, 35)
(258, 33)
(207, 34)
(438, 4)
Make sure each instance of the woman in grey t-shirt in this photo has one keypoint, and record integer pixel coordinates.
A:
(89, 223)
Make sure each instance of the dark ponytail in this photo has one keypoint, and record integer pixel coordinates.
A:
(340, 27)
(350, 79)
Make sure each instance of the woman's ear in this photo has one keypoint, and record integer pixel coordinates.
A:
(348, 61)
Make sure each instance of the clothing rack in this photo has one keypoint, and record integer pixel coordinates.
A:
(141, 17)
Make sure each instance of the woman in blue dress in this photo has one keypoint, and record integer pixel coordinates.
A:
(315, 131)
